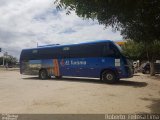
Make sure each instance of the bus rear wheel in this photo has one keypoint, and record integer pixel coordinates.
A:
(43, 74)
(109, 77)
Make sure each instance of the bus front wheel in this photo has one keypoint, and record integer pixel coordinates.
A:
(43, 74)
(109, 77)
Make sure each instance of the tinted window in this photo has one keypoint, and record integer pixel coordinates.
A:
(74, 51)
(109, 50)
(25, 55)
(65, 52)
(86, 51)
(34, 51)
(49, 53)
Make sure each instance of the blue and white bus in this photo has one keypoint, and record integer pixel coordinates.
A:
(99, 59)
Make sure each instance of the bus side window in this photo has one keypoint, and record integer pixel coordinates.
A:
(34, 51)
(66, 48)
(95, 50)
(110, 51)
(65, 52)
(86, 51)
(77, 51)
(116, 52)
(106, 51)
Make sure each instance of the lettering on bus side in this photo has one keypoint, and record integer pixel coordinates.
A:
(72, 62)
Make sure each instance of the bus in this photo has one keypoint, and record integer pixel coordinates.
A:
(99, 59)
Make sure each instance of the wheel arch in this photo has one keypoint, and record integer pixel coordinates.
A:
(43, 69)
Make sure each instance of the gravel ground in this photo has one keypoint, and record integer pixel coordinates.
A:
(28, 94)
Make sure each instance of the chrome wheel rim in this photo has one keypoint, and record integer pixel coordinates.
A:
(109, 77)
(43, 74)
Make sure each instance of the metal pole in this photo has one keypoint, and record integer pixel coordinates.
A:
(4, 54)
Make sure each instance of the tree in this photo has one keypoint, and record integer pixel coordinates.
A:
(137, 51)
(134, 50)
(136, 19)
(9, 59)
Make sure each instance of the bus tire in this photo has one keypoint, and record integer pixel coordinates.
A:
(43, 75)
(109, 76)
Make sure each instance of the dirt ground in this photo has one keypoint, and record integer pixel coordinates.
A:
(28, 94)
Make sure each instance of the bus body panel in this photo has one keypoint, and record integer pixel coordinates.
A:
(78, 67)
(31, 63)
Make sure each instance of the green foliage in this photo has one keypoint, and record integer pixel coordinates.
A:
(153, 50)
(133, 50)
(136, 19)
(9, 59)
(140, 51)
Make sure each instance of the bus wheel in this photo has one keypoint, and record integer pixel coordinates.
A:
(109, 77)
(43, 74)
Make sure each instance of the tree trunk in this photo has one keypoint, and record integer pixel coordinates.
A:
(152, 68)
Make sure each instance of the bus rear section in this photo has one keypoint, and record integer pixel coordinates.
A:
(98, 60)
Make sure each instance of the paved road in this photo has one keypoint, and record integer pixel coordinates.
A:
(27, 94)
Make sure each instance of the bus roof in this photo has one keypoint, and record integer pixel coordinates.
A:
(63, 45)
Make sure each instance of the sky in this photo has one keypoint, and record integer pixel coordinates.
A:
(24, 23)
